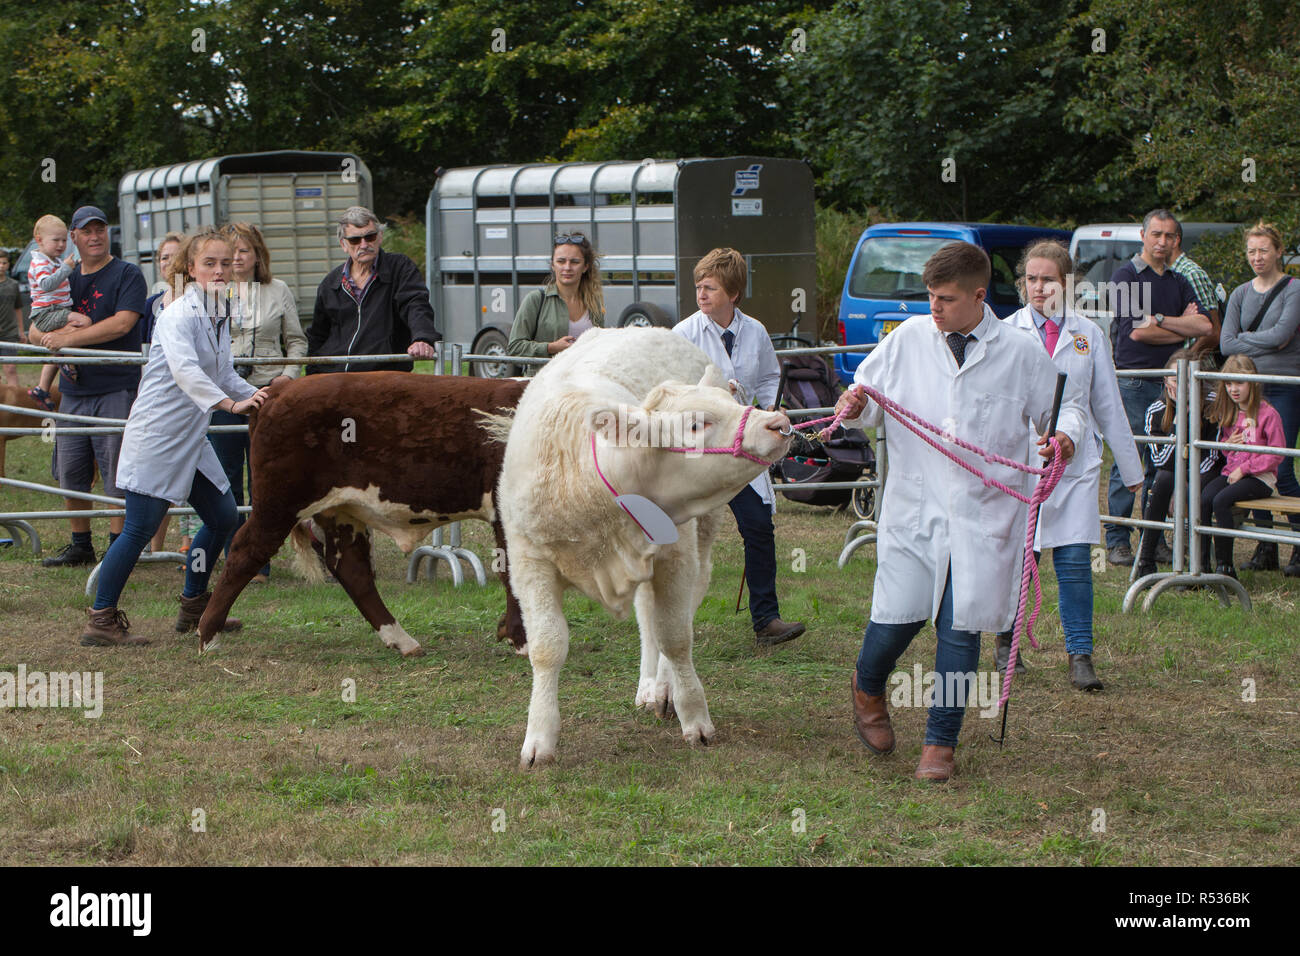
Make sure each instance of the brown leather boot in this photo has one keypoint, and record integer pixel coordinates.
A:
(108, 627)
(192, 609)
(871, 721)
(936, 763)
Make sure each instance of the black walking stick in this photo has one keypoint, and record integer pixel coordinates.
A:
(1051, 430)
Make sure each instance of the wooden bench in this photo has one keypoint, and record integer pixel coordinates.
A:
(1278, 504)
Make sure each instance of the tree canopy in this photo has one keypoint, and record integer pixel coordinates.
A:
(1054, 111)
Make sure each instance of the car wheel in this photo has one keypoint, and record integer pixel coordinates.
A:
(493, 342)
(644, 315)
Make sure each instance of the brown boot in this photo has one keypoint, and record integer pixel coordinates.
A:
(936, 763)
(108, 627)
(871, 721)
(192, 609)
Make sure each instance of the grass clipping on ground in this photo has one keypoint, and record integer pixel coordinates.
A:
(304, 740)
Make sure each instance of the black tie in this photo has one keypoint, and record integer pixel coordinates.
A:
(728, 340)
(957, 342)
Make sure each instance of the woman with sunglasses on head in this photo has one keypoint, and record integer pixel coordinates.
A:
(550, 320)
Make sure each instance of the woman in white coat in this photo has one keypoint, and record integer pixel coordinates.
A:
(1069, 522)
(166, 458)
(740, 347)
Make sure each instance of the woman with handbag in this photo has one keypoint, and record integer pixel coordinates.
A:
(270, 329)
(1261, 321)
(550, 320)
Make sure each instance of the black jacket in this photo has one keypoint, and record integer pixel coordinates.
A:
(394, 312)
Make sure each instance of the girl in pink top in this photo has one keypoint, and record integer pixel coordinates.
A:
(1244, 418)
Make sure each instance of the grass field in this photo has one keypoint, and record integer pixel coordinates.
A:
(421, 767)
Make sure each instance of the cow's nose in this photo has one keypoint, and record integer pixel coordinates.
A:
(779, 423)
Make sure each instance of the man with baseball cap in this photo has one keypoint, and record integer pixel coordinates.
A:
(112, 293)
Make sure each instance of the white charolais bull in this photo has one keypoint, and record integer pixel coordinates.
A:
(594, 423)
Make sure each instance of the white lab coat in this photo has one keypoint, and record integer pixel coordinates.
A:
(752, 363)
(935, 516)
(1071, 514)
(187, 375)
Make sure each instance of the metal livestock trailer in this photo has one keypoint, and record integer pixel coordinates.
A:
(295, 198)
(490, 233)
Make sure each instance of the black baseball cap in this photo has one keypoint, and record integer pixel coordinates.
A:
(87, 214)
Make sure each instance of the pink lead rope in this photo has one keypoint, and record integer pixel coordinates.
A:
(1049, 477)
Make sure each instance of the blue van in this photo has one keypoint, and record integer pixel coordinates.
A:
(883, 285)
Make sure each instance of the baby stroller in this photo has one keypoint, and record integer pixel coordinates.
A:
(806, 382)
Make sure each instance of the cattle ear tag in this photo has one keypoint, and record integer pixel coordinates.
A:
(649, 517)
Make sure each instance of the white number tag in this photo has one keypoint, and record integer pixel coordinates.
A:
(650, 518)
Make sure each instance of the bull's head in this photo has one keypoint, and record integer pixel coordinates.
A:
(685, 448)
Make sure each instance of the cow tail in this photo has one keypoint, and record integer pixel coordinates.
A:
(305, 560)
(498, 424)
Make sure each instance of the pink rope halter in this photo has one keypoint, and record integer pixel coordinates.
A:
(736, 450)
(1048, 479)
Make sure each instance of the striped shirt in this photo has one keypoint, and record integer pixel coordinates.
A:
(46, 292)
(1162, 456)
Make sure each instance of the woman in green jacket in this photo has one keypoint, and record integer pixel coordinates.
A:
(550, 320)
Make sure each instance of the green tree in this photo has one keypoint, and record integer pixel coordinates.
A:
(895, 94)
(542, 79)
(1202, 106)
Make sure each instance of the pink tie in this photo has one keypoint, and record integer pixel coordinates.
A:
(1053, 332)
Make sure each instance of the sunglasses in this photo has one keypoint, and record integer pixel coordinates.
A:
(578, 239)
(357, 240)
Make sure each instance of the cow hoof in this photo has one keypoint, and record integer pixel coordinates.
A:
(395, 636)
(645, 693)
(212, 645)
(702, 735)
(664, 708)
(534, 757)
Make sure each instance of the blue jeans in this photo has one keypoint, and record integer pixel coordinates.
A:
(1137, 394)
(233, 452)
(144, 514)
(957, 652)
(1073, 566)
(754, 519)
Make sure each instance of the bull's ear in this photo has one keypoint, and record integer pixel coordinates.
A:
(661, 393)
(713, 377)
(624, 425)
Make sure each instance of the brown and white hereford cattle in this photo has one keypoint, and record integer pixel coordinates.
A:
(611, 416)
(360, 452)
(12, 395)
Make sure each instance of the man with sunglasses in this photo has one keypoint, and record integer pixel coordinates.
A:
(375, 303)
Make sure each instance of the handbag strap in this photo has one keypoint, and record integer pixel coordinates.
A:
(1273, 293)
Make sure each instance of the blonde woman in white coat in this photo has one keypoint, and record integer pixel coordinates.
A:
(166, 458)
(1070, 521)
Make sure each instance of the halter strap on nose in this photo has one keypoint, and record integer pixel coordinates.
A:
(737, 447)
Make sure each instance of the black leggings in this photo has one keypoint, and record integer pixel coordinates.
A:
(1219, 497)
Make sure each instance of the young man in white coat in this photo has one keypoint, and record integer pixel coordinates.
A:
(949, 548)
(742, 350)
(1070, 520)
